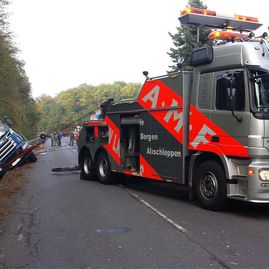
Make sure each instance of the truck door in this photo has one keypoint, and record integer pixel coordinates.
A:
(165, 150)
(231, 116)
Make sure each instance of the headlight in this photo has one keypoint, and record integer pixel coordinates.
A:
(264, 174)
(25, 146)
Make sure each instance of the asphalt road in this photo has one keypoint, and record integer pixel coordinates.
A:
(59, 221)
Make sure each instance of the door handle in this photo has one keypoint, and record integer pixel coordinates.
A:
(215, 138)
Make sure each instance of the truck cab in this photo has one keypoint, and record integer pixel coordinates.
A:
(233, 92)
(11, 145)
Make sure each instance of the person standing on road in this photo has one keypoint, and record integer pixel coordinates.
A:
(59, 138)
(54, 140)
(72, 137)
(52, 137)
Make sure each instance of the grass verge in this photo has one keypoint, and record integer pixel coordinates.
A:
(10, 184)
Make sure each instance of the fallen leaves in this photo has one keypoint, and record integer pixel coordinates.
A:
(10, 184)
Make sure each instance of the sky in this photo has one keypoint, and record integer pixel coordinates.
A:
(65, 43)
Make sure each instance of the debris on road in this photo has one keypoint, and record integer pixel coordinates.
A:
(66, 169)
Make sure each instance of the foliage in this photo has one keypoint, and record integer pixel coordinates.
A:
(15, 90)
(45, 113)
(69, 105)
(184, 40)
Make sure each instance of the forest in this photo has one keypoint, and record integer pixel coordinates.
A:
(45, 113)
(15, 90)
(69, 105)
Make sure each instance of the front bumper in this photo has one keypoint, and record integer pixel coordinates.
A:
(258, 190)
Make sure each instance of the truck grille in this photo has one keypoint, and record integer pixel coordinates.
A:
(8, 134)
(7, 148)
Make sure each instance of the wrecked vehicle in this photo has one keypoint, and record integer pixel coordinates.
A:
(14, 148)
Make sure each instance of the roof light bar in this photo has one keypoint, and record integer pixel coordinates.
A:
(200, 11)
(226, 35)
(207, 12)
(210, 18)
(246, 18)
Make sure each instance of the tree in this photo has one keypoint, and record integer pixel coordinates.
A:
(15, 90)
(184, 40)
(69, 105)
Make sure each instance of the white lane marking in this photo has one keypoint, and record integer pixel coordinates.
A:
(163, 216)
(72, 148)
(176, 226)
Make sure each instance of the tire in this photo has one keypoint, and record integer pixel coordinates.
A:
(2, 173)
(28, 158)
(32, 158)
(103, 169)
(210, 186)
(87, 167)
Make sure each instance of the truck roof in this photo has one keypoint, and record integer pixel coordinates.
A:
(239, 54)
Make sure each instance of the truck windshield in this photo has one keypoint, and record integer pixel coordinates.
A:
(261, 91)
(3, 129)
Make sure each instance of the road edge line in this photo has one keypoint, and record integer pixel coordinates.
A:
(160, 214)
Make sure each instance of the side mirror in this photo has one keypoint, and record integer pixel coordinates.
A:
(8, 122)
(202, 56)
(231, 92)
(146, 74)
(231, 88)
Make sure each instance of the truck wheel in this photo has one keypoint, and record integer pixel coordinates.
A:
(2, 173)
(32, 158)
(87, 168)
(210, 186)
(104, 169)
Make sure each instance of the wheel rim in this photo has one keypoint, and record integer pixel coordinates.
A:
(86, 165)
(209, 185)
(103, 167)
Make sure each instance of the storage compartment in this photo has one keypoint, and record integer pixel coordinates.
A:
(130, 143)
